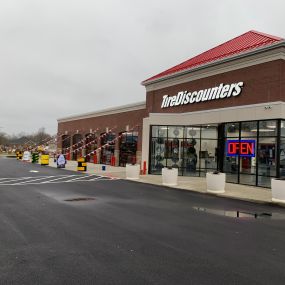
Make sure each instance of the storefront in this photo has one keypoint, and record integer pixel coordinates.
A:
(221, 110)
(249, 153)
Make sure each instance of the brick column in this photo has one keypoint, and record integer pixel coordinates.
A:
(117, 150)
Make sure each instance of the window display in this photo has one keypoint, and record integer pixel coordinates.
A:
(179, 147)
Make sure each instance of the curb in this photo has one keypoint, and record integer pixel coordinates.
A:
(250, 200)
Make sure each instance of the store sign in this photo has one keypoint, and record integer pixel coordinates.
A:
(219, 92)
(241, 148)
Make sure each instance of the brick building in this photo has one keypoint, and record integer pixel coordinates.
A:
(223, 109)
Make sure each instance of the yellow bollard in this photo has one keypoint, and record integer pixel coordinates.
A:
(19, 155)
(45, 159)
(81, 164)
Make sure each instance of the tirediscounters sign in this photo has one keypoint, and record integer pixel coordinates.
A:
(241, 147)
(219, 92)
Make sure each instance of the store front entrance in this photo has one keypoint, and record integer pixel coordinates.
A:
(265, 163)
(250, 153)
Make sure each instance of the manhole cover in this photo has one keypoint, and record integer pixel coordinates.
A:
(79, 199)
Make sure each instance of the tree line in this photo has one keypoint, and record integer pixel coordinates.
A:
(24, 140)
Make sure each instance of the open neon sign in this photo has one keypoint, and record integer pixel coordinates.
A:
(241, 147)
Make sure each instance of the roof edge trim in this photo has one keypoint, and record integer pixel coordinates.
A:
(216, 62)
(105, 112)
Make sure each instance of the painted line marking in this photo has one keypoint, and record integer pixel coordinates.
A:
(55, 179)
(34, 180)
(81, 178)
(15, 179)
(63, 177)
(97, 178)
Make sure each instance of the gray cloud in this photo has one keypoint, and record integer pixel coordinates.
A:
(68, 56)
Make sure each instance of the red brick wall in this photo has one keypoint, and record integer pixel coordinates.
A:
(282, 81)
(262, 83)
(116, 122)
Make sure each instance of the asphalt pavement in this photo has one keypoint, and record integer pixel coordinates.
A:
(62, 227)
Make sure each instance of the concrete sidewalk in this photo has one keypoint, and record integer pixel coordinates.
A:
(195, 184)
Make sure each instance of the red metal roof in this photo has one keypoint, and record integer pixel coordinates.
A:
(241, 44)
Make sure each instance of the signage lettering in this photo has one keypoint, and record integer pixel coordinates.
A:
(219, 92)
(241, 148)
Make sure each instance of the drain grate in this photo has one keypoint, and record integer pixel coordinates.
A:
(78, 199)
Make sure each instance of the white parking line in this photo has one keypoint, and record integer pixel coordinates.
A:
(96, 178)
(78, 179)
(24, 182)
(63, 177)
(14, 179)
(25, 177)
(40, 180)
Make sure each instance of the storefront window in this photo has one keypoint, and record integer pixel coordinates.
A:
(251, 150)
(209, 132)
(192, 132)
(231, 165)
(266, 161)
(267, 128)
(248, 129)
(250, 158)
(208, 155)
(248, 162)
(159, 137)
(208, 151)
(282, 157)
(282, 128)
(232, 130)
(182, 147)
(175, 132)
(159, 131)
(191, 162)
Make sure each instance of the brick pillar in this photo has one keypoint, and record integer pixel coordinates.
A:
(71, 148)
(98, 151)
(138, 157)
(117, 150)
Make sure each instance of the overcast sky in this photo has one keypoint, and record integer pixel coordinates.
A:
(65, 57)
